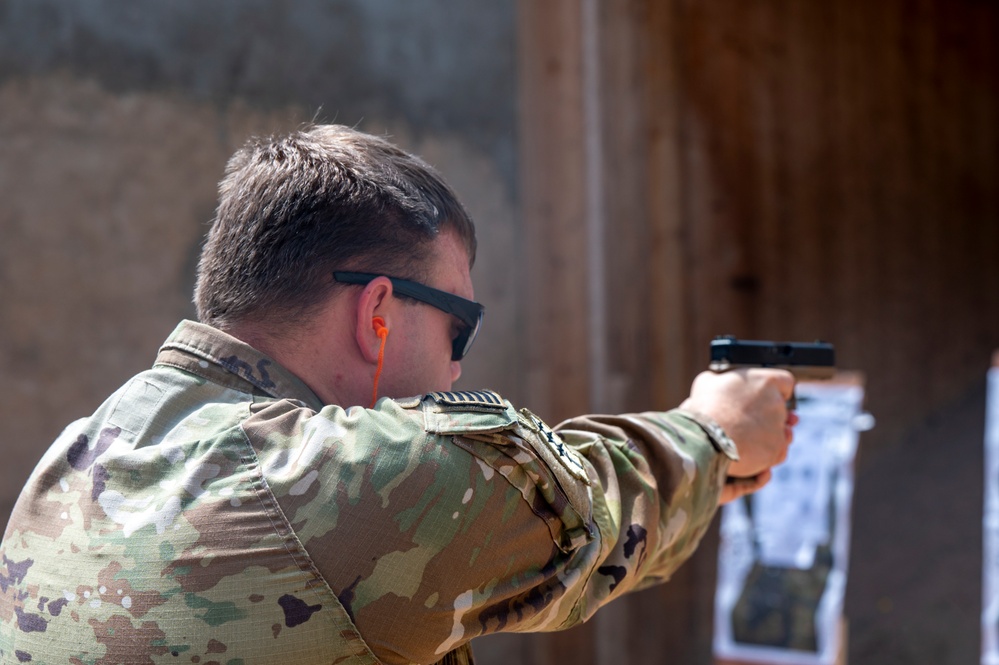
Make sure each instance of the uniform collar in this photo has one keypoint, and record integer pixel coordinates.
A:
(221, 358)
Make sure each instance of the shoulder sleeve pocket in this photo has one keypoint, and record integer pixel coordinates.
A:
(553, 479)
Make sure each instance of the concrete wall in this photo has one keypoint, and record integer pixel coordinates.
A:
(116, 119)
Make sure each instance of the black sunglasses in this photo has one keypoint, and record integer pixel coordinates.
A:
(470, 313)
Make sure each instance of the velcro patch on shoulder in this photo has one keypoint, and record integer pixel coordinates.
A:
(470, 398)
(467, 411)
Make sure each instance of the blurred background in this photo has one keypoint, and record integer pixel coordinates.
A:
(645, 175)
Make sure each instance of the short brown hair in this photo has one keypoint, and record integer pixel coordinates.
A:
(293, 209)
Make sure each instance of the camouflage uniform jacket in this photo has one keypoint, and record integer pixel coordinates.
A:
(213, 510)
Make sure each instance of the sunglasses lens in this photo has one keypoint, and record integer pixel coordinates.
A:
(459, 347)
(463, 342)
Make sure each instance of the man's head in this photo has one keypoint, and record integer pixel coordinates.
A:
(295, 210)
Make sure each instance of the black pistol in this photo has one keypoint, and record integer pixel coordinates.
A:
(806, 360)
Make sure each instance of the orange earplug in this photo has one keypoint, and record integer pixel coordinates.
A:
(378, 323)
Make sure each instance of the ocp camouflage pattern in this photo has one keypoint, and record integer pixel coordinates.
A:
(213, 511)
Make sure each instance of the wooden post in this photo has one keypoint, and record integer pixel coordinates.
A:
(553, 186)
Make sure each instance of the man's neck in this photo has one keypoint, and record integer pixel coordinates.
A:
(320, 360)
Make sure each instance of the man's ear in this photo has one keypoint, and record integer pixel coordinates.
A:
(375, 301)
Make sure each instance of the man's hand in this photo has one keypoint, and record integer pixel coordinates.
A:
(751, 406)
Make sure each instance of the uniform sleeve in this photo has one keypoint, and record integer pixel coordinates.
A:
(434, 525)
(659, 477)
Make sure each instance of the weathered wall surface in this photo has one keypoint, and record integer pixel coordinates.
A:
(777, 170)
(116, 119)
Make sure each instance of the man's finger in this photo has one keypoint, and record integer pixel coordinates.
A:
(738, 487)
(782, 379)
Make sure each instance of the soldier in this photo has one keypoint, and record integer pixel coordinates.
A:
(293, 480)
